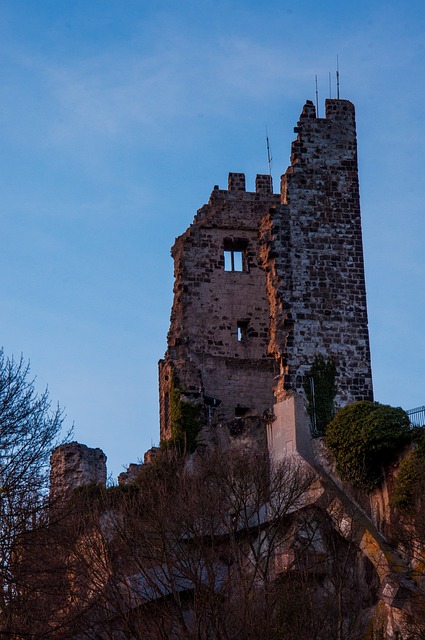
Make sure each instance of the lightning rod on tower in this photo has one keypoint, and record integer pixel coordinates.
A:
(317, 99)
(269, 155)
(337, 77)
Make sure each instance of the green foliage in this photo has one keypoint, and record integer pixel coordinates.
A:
(363, 438)
(418, 437)
(185, 419)
(408, 477)
(408, 484)
(321, 407)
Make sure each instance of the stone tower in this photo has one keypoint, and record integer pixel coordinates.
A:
(313, 256)
(264, 283)
(74, 465)
(219, 333)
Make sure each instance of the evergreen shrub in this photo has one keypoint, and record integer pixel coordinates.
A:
(364, 437)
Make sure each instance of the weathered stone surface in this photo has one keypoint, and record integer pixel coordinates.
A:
(219, 333)
(150, 454)
(128, 476)
(75, 465)
(265, 283)
(313, 256)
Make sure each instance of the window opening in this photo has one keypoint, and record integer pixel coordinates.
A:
(233, 261)
(242, 328)
(235, 255)
(241, 411)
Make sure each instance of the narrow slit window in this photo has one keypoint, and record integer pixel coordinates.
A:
(242, 328)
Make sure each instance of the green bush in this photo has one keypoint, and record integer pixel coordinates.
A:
(408, 477)
(408, 485)
(364, 437)
(321, 407)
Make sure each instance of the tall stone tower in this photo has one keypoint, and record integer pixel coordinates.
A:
(264, 283)
(313, 256)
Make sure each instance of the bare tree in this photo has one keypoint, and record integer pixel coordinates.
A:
(29, 429)
(220, 545)
(407, 533)
(187, 552)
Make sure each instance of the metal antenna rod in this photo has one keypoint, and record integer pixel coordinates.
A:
(269, 155)
(337, 77)
(317, 100)
(330, 85)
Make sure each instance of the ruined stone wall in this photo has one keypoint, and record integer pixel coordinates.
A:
(312, 253)
(75, 465)
(298, 290)
(219, 332)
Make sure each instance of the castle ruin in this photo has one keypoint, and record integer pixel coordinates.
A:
(264, 283)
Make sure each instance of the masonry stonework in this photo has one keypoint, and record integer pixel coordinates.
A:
(313, 256)
(74, 465)
(219, 333)
(266, 282)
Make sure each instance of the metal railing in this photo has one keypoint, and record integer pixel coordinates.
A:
(417, 416)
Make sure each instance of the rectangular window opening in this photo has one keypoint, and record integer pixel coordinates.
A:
(242, 328)
(235, 255)
(233, 261)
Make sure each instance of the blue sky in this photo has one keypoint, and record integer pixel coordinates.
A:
(117, 119)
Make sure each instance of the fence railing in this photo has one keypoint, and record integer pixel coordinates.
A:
(417, 416)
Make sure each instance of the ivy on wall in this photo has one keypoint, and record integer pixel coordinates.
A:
(185, 419)
(320, 390)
